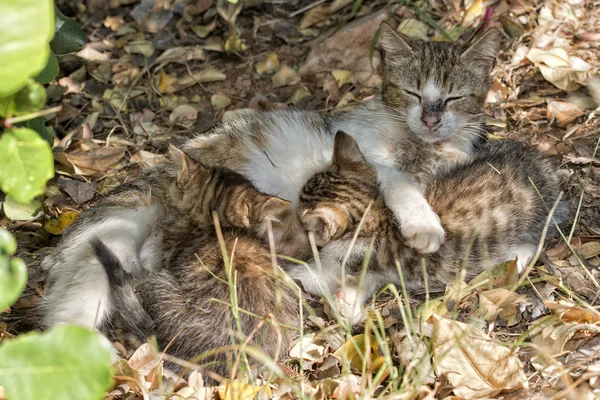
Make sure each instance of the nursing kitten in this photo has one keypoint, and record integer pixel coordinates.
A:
(424, 120)
(490, 209)
(176, 303)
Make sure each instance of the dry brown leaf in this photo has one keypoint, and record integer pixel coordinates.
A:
(92, 161)
(354, 351)
(589, 249)
(219, 101)
(563, 71)
(298, 95)
(143, 47)
(181, 55)
(475, 11)
(145, 360)
(569, 312)
(91, 54)
(413, 28)
(503, 303)
(321, 13)
(147, 159)
(474, 364)
(501, 275)
(184, 115)
(235, 44)
(564, 113)
(241, 391)
(284, 77)
(343, 76)
(269, 65)
(204, 30)
(172, 84)
(306, 349)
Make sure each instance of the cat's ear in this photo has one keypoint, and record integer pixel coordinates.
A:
(394, 45)
(345, 149)
(183, 163)
(273, 207)
(482, 53)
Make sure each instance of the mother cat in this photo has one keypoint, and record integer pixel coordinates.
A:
(424, 120)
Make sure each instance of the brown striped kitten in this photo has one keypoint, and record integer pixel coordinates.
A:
(186, 303)
(489, 208)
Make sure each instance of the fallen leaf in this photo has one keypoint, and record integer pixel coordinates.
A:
(96, 160)
(204, 30)
(413, 28)
(16, 211)
(181, 55)
(241, 391)
(476, 10)
(91, 54)
(219, 101)
(564, 113)
(298, 95)
(172, 84)
(58, 226)
(501, 275)
(321, 13)
(150, 18)
(563, 71)
(235, 44)
(71, 85)
(355, 352)
(473, 364)
(232, 115)
(80, 192)
(214, 43)
(504, 304)
(143, 47)
(147, 159)
(305, 348)
(284, 77)
(269, 65)
(184, 114)
(569, 312)
(343, 76)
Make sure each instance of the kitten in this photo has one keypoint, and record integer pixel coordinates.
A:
(176, 302)
(489, 207)
(424, 120)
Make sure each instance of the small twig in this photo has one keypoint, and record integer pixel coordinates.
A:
(308, 7)
(9, 122)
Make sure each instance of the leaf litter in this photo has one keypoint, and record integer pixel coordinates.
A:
(158, 72)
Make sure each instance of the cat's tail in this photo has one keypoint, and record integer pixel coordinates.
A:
(129, 317)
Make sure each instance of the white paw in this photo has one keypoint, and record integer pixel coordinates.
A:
(349, 304)
(423, 232)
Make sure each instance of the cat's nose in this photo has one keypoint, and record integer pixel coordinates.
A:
(431, 121)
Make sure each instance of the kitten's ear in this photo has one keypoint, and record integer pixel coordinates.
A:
(273, 207)
(482, 53)
(184, 164)
(392, 43)
(345, 149)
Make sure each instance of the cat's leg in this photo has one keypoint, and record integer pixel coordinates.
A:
(317, 279)
(351, 298)
(419, 224)
(523, 253)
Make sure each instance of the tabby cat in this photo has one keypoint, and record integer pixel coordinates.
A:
(425, 119)
(177, 302)
(490, 209)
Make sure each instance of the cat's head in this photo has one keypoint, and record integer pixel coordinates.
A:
(198, 190)
(438, 89)
(334, 201)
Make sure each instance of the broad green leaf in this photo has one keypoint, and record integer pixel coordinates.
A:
(50, 71)
(26, 27)
(67, 363)
(68, 37)
(13, 273)
(27, 163)
(16, 211)
(13, 278)
(31, 98)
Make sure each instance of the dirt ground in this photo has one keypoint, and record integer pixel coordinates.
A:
(159, 72)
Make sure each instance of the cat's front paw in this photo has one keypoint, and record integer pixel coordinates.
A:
(348, 304)
(423, 232)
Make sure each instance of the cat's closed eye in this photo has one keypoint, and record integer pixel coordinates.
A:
(413, 94)
(450, 100)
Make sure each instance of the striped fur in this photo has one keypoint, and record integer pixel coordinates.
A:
(489, 208)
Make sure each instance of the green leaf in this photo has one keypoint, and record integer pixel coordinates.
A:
(27, 163)
(13, 278)
(69, 36)
(29, 99)
(67, 363)
(38, 124)
(16, 211)
(26, 27)
(8, 244)
(50, 71)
